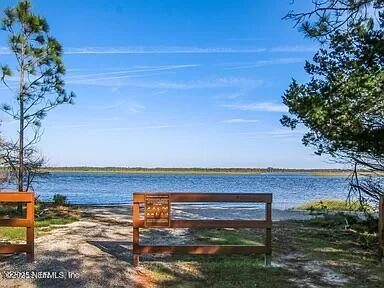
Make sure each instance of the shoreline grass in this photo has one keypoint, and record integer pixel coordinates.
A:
(334, 205)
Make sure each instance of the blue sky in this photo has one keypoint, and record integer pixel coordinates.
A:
(174, 84)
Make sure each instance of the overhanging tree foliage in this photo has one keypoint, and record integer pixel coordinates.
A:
(343, 102)
(36, 82)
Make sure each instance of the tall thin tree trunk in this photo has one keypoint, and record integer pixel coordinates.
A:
(20, 177)
(21, 147)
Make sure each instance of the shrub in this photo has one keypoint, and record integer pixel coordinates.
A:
(326, 205)
(59, 199)
(367, 224)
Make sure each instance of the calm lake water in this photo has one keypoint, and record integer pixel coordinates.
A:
(289, 190)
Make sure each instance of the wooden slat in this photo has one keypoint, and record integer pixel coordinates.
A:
(136, 214)
(213, 197)
(220, 224)
(15, 248)
(16, 222)
(136, 233)
(31, 231)
(215, 224)
(268, 232)
(381, 220)
(381, 227)
(203, 249)
(16, 196)
(138, 197)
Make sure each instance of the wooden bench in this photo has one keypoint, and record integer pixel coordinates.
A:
(28, 223)
(158, 214)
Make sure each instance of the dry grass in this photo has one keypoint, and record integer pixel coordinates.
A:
(323, 252)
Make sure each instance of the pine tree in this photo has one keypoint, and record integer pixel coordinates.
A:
(342, 104)
(40, 86)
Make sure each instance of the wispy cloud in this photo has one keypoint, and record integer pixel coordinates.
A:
(205, 83)
(116, 79)
(75, 75)
(104, 119)
(161, 92)
(229, 95)
(286, 133)
(126, 73)
(160, 50)
(283, 134)
(240, 121)
(294, 49)
(168, 85)
(187, 49)
(134, 107)
(130, 77)
(5, 51)
(117, 129)
(261, 63)
(66, 126)
(125, 106)
(245, 39)
(90, 126)
(178, 49)
(260, 106)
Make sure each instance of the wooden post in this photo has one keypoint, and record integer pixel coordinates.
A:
(268, 235)
(28, 223)
(31, 231)
(381, 228)
(136, 235)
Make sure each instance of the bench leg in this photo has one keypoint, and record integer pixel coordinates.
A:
(268, 260)
(135, 244)
(135, 260)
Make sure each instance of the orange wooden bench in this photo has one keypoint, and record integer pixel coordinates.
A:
(28, 223)
(158, 214)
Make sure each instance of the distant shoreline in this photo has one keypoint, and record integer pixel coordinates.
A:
(221, 171)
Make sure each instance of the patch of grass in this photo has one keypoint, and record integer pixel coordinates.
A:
(342, 221)
(46, 218)
(363, 230)
(227, 237)
(219, 271)
(12, 234)
(54, 221)
(334, 205)
(310, 253)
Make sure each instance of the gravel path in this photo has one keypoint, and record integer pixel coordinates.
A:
(97, 249)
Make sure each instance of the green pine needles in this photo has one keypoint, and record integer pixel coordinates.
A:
(36, 83)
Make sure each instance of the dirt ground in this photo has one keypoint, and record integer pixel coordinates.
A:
(96, 248)
(97, 251)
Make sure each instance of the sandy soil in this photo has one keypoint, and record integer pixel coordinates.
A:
(98, 248)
